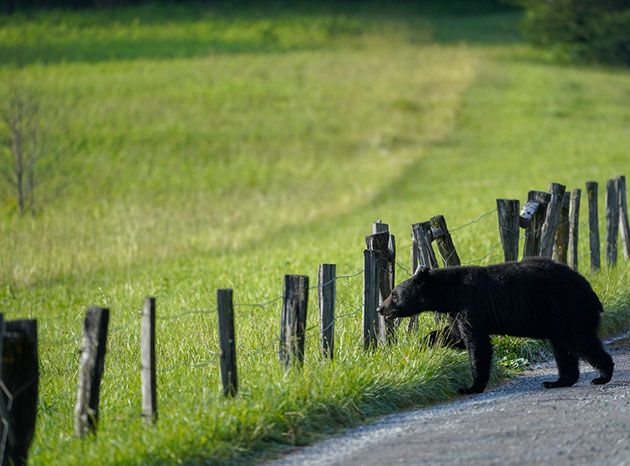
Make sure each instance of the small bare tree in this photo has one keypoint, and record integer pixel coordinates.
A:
(23, 158)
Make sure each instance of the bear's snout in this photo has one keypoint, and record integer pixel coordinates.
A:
(387, 309)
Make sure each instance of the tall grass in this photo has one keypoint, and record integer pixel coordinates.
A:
(197, 163)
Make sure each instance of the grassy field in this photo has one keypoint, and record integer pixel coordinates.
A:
(222, 147)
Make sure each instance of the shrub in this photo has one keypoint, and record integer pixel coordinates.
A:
(585, 30)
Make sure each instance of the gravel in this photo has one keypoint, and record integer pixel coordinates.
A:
(517, 423)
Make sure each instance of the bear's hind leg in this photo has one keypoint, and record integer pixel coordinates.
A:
(568, 371)
(590, 348)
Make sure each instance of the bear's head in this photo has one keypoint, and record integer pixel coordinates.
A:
(408, 298)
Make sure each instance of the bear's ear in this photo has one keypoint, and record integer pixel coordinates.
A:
(422, 273)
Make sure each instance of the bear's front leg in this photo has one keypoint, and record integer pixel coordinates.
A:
(480, 353)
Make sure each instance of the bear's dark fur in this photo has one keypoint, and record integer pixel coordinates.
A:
(535, 298)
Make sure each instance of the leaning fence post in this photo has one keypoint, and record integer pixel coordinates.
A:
(624, 227)
(380, 241)
(18, 398)
(612, 222)
(593, 224)
(507, 211)
(574, 223)
(441, 235)
(422, 235)
(147, 359)
(293, 321)
(327, 290)
(91, 370)
(532, 218)
(370, 298)
(227, 342)
(561, 245)
(551, 219)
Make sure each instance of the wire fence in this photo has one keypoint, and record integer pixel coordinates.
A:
(348, 305)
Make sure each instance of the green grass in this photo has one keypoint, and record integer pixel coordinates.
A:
(207, 148)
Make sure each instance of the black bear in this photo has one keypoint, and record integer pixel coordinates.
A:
(535, 298)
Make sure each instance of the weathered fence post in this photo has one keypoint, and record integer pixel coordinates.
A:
(18, 398)
(227, 341)
(593, 224)
(370, 298)
(532, 218)
(380, 241)
(327, 290)
(422, 254)
(441, 235)
(612, 222)
(91, 370)
(391, 246)
(624, 227)
(293, 323)
(574, 223)
(147, 362)
(422, 235)
(551, 220)
(508, 213)
(561, 245)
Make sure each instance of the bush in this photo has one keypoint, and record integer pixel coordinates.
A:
(585, 30)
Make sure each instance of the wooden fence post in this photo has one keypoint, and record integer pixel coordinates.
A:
(327, 291)
(441, 235)
(612, 222)
(380, 242)
(227, 341)
(293, 323)
(624, 227)
(551, 220)
(532, 218)
(593, 224)
(574, 224)
(422, 235)
(91, 370)
(370, 298)
(391, 246)
(147, 361)
(19, 394)
(507, 211)
(561, 245)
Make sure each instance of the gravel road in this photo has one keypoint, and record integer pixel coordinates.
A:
(517, 423)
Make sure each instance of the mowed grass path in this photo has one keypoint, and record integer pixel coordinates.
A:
(190, 168)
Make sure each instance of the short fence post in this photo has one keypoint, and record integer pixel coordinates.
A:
(441, 235)
(391, 246)
(624, 227)
(612, 222)
(91, 370)
(227, 342)
(574, 224)
(18, 399)
(507, 211)
(380, 241)
(551, 220)
(327, 290)
(293, 321)
(147, 358)
(593, 224)
(532, 218)
(561, 246)
(370, 298)
(412, 325)
(422, 235)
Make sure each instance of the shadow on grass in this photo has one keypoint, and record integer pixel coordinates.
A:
(194, 29)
